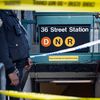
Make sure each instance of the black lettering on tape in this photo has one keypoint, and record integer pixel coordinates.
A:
(59, 3)
(51, 3)
(12, 2)
(88, 4)
(39, 2)
(74, 4)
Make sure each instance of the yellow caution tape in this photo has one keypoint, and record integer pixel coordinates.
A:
(52, 5)
(39, 96)
(36, 96)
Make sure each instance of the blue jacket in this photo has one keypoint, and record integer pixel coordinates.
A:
(13, 43)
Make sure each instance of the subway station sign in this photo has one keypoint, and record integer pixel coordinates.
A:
(58, 37)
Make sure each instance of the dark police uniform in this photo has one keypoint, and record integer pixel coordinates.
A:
(14, 48)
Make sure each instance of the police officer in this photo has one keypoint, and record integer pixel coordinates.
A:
(14, 49)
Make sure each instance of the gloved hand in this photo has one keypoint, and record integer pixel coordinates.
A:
(14, 78)
(28, 64)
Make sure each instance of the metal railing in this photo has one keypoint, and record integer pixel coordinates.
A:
(2, 80)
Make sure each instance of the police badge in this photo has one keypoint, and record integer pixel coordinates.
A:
(1, 22)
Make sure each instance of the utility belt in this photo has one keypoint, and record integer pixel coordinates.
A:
(18, 63)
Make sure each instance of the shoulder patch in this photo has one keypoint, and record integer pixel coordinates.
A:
(1, 22)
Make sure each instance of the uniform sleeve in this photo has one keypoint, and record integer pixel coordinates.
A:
(4, 52)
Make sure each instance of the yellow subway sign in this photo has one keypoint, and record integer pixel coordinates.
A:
(52, 5)
(63, 58)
